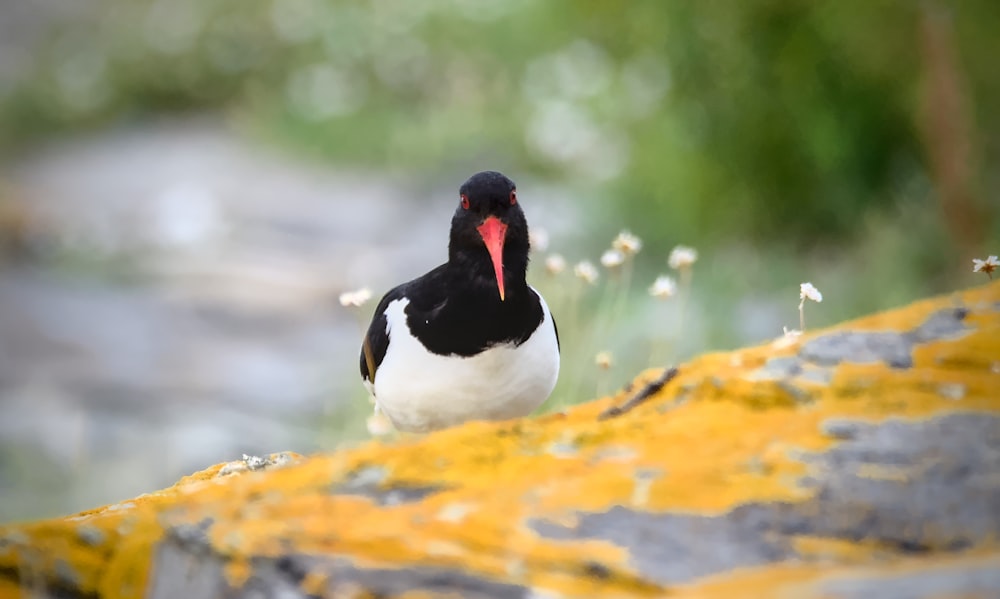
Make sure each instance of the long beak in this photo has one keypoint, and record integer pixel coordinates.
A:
(494, 233)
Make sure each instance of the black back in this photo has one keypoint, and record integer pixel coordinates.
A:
(455, 309)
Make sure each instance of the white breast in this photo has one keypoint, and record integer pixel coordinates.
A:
(421, 391)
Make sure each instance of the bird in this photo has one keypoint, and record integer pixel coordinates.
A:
(469, 340)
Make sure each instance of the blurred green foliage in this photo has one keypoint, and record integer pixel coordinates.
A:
(769, 119)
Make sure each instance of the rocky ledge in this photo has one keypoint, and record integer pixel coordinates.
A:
(857, 461)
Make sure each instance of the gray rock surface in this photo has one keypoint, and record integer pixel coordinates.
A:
(942, 495)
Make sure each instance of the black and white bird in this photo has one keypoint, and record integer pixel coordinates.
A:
(469, 340)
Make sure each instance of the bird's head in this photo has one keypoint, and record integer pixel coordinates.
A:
(489, 234)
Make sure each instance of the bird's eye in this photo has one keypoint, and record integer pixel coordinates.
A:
(513, 197)
(465, 201)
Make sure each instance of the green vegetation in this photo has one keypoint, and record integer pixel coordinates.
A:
(773, 119)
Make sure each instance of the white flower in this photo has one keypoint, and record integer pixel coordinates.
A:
(555, 264)
(627, 243)
(808, 291)
(682, 256)
(612, 258)
(987, 266)
(539, 239)
(586, 271)
(356, 298)
(663, 287)
(604, 360)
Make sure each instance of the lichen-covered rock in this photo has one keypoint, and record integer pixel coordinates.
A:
(859, 461)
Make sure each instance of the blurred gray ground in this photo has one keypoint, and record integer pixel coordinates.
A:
(224, 334)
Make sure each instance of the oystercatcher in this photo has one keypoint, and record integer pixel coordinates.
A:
(469, 340)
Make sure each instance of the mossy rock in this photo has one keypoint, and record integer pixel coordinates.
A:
(858, 461)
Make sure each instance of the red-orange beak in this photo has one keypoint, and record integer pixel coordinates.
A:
(494, 233)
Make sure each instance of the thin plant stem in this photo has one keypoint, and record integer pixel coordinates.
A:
(601, 388)
(659, 345)
(685, 290)
(577, 368)
(610, 297)
(594, 336)
(623, 291)
(574, 304)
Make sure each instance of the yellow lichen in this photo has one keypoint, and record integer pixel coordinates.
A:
(716, 437)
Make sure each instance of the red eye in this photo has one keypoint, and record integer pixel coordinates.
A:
(513, 197)
(465, 201)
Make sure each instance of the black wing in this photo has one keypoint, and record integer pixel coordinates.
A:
(422, 291)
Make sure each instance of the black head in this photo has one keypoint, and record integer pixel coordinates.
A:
(489, 234)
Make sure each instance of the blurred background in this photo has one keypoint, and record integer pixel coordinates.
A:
(188, 186)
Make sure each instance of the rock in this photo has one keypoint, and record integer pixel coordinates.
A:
(858, 461)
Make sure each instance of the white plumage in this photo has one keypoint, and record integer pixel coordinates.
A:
(421, 391)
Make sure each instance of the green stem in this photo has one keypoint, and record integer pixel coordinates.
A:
(682, 299)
